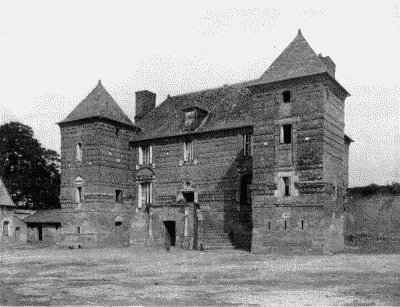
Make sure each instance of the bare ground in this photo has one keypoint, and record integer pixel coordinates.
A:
(140, 276)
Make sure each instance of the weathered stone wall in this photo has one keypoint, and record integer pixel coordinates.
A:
(17, 230)
(214, 178)
(311, 216)
(105, 167)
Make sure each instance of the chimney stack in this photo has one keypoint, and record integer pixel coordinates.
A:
(145, 102)
(330, 65)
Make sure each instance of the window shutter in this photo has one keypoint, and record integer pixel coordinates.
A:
(150, 192)
(151, 154)
(139, 196)
(140, 155)
(251, 145)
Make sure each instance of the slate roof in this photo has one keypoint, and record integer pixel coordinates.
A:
(227, 107)
(46, 216)
(99, 103)
(5, 199)
(297, 60)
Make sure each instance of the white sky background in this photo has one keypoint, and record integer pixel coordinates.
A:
(52, 54)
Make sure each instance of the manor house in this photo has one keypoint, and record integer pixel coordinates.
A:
(260, 165)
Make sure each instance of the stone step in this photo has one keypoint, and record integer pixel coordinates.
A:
(218, 247)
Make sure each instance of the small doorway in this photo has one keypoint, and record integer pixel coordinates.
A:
(170, 233)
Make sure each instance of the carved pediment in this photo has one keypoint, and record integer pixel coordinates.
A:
(145, 174)
(79, 180)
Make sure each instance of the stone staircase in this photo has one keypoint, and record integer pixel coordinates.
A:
(215, 238)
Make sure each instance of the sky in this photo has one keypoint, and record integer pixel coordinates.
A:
(52, 54)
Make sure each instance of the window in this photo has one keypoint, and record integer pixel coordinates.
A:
(117, 223)
(78, 229)
(286, 182)
(78, 152)
(145, 155)
(190, 118)
(286, 134)
(144, 193)
(286, 95)
(247, 145)
(188, 196)
(78, 195)
(285, 226)
(188, 151)
(6, 230)
(117, 131)
(302, 224)
(118, 196)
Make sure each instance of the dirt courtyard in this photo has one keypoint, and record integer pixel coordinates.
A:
(140, 276)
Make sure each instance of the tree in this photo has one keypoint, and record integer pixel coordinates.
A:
(30, 172)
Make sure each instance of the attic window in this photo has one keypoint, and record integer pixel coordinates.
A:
(190, 118)
(286, 95)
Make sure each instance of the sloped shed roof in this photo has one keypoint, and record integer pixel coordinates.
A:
(46, 216)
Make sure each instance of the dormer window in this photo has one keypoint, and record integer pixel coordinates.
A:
(193, 117)
(190, 118)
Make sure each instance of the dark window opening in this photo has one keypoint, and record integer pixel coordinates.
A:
(286, 181)
(118, 223)
(286, 96)
(118, 196)
(286, 134)
(79, 195)
(78, 229)
(269, 225)
(17, 228)
(302, 224)
(188, 196)
(285, 224)
(116, 131)
(245, 191)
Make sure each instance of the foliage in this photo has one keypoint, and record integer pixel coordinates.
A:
(30, 172)
(373, 189)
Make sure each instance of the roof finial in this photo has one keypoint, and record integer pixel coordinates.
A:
(299, 32)
(100, 82)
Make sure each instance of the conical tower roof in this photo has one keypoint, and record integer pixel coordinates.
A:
(98, 103)
(297, 60)
(5, 199)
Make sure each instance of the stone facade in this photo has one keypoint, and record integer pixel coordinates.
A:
(12, 229)
(260, 165)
